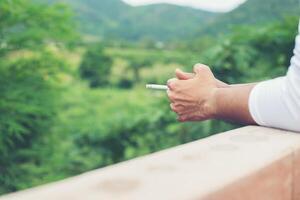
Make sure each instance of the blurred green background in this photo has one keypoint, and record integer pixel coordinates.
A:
(72, 77)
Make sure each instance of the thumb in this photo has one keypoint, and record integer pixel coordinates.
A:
(183, 75)
(201, 69)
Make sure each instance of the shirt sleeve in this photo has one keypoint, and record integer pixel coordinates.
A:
(276, 103)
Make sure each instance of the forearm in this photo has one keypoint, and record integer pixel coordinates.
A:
(232, 103)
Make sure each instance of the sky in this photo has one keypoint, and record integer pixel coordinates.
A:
(210, 5)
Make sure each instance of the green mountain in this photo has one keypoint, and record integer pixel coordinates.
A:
(116, 19)
(253, 12)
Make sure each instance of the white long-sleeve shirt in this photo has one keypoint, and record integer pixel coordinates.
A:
(276, 103)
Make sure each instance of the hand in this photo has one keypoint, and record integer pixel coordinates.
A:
(192, 96)
(185, 76)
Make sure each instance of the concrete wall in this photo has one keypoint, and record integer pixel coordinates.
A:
(251, 163)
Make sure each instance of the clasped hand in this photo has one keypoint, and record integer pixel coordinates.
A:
(192, 96)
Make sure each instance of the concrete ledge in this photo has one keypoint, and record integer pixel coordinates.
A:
(251, 163)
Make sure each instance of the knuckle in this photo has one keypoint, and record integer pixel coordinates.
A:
(171, 85)
(178, 109)
(173, 107)
(179, 105)
(206, 69)
(181, 119)
(174, 83)
(171, 95)
(175, 96)
(170, 80)
(197, 65)
(181, 112)
(202, 67)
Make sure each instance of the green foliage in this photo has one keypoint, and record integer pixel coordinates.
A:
(53, 126)
(252, 12)
(28, 101)
(137, 63)
(29, 85)
(96, 66)
(140, 64)
(113, 19)
(111, 125)
(165, 22)
(254, 53)
(27, 25)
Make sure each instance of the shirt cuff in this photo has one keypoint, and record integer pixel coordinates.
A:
(266, 104)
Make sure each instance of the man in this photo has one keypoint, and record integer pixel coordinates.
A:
(273, 103)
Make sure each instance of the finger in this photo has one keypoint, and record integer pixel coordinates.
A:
(173, 108)
(190, 117)
(200, 69)
(183, 107)
(182, 100)
(171, 83)
(172, 80)
(183, 75)
(176, 97)
(184, 111)
(171, 96)
(185, 119)
(178, 109)
(182, 119)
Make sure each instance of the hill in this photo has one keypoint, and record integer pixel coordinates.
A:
(253, 12)
(116, 19)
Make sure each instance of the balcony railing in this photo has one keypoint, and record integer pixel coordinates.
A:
(251, 163)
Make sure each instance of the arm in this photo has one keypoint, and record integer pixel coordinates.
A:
(273, 103)
(232, 103)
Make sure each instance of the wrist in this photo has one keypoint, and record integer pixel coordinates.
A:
(231, 103)
(212, 105)
(217, 95)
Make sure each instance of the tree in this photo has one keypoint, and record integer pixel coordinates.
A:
(136, 63)
(254, 53)
(96, 66)
(29, 86)
(28, 25)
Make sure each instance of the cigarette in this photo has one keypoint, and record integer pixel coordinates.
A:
(156, 87)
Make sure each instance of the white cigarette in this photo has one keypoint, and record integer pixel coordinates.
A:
(156, 87)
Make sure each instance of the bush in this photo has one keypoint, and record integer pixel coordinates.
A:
(254, 53)
(29, 96)
(29, 86)
(125, 83)
(96, 66)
